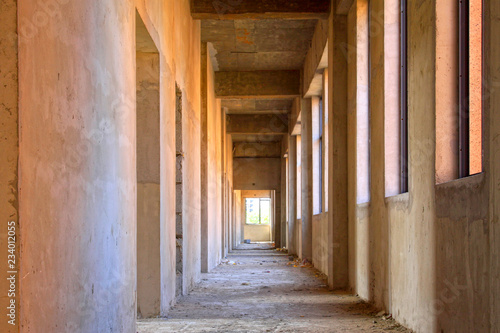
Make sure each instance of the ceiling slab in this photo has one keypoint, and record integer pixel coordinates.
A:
(263, 84)
(257, 106)
(257, 124)
(250, 45)
(260, 9)
(256, 138)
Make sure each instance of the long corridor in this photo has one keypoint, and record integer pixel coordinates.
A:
(259, 289)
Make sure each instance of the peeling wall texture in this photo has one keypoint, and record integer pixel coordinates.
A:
(9, 148)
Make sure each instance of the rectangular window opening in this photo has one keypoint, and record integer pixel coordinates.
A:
(470, 87)
(258, 211)
(404, 98)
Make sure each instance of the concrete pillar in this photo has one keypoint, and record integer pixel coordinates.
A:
(9, 146)
(277, 218)
(358, 134)
(378, 217)
(422, 149)
(337, 174)
(307, 178)
(204, 160)
(78, 166)
(292, 194)
(283, 204)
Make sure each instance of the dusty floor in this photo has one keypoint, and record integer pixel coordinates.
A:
(257, 290)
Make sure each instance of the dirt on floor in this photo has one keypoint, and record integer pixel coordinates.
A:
(261, 290)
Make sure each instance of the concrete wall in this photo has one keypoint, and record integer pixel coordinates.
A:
(210, 167)
(148, 183)
(257, 174)
(9, 146)
(427, 256)
(320, 242)
(77, 161)
(492, 117)
(257, 233)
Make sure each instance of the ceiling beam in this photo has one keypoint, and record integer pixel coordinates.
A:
(257, 124)
(259, 9)
(343, 6)
(263, 84)
(257, 149)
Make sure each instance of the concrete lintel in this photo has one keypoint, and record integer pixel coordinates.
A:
(257, 124)
(343, 6)
(316, 61)
(260, 9)
(255, 84)
(257, 149)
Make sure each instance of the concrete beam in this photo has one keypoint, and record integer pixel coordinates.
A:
(268, 84)
(260, 9)
(307, 179)
(292, 194)
(257, 149)
(257, 124)
(343, 6)
(337, 146)
(316, 61)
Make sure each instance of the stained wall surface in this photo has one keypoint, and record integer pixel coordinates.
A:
(9, 148)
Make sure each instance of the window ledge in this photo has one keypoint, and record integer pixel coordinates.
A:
(399, 198)
(472, 180)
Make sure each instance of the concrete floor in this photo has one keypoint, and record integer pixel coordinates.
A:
(258, 290)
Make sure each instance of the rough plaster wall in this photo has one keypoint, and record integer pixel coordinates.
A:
(77, 69)
(437, 257)
(352, 91)
(211, 168)
(412, 217)
(258, 233)
(492, 147)
(148, 185)
(178, 38)
(362, 282)
(9, 146)
(320, 243)
(337, 175)
(379, 231)
(77, 166)
(462, 267)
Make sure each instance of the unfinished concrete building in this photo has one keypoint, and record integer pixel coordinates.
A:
(144, 143)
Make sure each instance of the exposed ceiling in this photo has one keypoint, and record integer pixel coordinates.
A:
(276, 44)
(257, 106)
(251, 45)
(256, 138)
